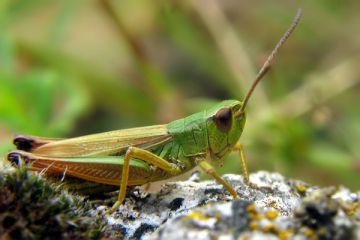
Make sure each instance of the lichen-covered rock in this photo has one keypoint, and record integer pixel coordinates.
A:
(319, 218)
(276, 208)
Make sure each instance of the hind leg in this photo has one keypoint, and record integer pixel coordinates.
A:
(146, 156)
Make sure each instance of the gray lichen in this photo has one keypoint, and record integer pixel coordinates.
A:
(276, 208)
(240, 219)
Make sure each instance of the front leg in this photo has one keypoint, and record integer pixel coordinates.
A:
(239, 148)
(209, 169)
(146, 156)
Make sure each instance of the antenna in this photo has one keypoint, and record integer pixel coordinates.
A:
(267, 65)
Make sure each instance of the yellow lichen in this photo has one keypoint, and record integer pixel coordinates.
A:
(256, 216)
(308, 232)
(251, 208)
(301, 188)
(253, 225)
(271, 227)
(321, 231)
(352, 209)
(196, 216)
(285, 234)
(272, 214)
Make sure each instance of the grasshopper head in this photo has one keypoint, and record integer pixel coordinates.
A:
(224, 125)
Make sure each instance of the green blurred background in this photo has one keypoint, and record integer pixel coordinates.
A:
(71, 68)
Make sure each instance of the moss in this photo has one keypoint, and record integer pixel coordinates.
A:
(33, 208)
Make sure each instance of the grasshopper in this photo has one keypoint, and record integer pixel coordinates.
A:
(142, 155)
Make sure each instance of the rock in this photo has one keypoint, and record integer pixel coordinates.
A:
(276, 208)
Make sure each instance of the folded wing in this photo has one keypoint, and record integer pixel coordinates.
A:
(101, 144)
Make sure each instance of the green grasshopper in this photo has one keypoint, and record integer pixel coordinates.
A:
(142, 155)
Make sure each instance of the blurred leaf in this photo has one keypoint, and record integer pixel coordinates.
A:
(338, 164)
(27, 103)
(109, 90)
(197, 46)
(28, 100)
(62, 21)
(329, 157)
(6, 56)
(10, 10)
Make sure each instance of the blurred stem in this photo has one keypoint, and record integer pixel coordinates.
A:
(134, 45)
(62, 21)
(119, 93)
(229, 45)
(155, 82)
(318, 88)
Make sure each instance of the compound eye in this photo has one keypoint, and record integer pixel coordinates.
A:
(223, 119)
